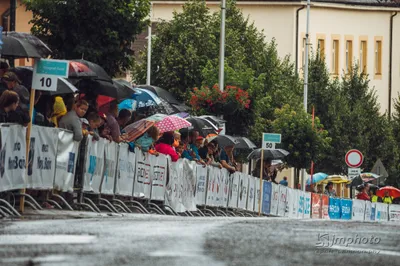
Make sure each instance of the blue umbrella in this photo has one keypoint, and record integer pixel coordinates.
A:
(145, 98)
(129, 104)
(318, 177)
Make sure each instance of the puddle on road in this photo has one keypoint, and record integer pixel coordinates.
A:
(45, 239)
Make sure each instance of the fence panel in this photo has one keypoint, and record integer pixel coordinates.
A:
(201, 184)
(257, 195)
(243, 191)
(142, 185)
(234, 190)
(358, 210)
(174, 193)
(325, 206)
(126, 171)
(158, 176)
(94, 167)
(346, 209)
(394, 212)
(316, 206)
(307, 205)
(282, 200)
(266, 197)
(188, 175)
(382, 212)
(225, 187)
(110, 168)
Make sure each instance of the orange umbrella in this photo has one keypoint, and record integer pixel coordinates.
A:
(137, 129)
(393, 192)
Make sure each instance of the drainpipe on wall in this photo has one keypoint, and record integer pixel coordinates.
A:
(390, 63)
(13, 7)
(297, 38)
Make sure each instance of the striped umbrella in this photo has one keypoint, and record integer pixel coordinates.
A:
(172, 123)
(137, 129)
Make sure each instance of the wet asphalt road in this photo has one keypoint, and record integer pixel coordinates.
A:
(157, 240)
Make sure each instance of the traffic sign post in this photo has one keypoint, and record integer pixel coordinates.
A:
(270, 139)
(46, 73)
(354, 158)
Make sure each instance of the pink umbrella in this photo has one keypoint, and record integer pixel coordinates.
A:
(172, 123)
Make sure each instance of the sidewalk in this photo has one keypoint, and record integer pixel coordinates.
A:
(53, 214)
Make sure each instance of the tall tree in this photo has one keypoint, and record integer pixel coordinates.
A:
(101, 31)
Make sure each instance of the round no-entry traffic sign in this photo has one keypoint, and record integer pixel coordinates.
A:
(354, 158)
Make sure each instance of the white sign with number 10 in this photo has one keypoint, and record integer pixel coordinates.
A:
(46, 73)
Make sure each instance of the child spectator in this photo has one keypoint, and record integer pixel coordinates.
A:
(148, 138)
(71, 120)
(164, 146)
(8, 104)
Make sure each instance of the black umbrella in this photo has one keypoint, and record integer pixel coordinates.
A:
(271, 154)
(23, 45)
(245, 143)
(101, 74)
(225, 140)
(99, 87)
(162, 93)
(213, 119)
(203, 126)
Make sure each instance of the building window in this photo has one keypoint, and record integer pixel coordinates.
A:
(363, 56)
(321, 48)
(303, 53)
(349, 56)
(378, 58)
(335, 57)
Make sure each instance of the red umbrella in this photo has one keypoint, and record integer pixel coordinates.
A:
(393, 192)
(79, 70)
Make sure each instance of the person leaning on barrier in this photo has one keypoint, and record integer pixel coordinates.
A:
(387, 198)
(329, 190)
(71, 120)
(266, 169)
(363, 195)
(8, 104)
(226, 158)
(164, 146)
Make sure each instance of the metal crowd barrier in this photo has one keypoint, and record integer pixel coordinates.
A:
(106, 176)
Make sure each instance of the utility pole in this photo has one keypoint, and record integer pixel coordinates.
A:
(148, 79)
(306, 73)
(222, 47)
(13, 8)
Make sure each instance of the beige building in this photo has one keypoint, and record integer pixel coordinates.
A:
(347, 31)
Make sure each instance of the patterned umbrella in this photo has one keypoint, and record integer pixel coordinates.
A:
(172, 123)
(137, 129)
(156, 117)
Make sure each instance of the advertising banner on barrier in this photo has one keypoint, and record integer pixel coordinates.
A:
(225, 187)
(201, 184)
(174, 193)
(325, 206)
(211, 199)
(381, 212)
(257, 195)
(300, 205)
(394, 212)
(292, 202)
(67, 154)
(126, 171)
(316, 206)
(282, 201)
(358, 210)
(266, 197)
(251, 194)
(189, 185)
(110, 168)
(274, 199)
(158, 176)
(373, 211)
(94, 167)
(334, 208)
(42, 157)
(368, 210)
(12, 157)
(346, 209)
(142, 185)
(243, 191)
(234, 190)
(307, 205)
(218, 192)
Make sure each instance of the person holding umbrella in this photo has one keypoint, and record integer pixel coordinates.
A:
(387, 198)
(329, 190)
(227, 160)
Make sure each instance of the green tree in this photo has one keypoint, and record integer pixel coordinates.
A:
(101, 31)
(304, 142)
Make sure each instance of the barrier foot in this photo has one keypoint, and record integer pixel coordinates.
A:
(106, 207)
(190, 213)
(54, 203)
(63, 200)
(6, 211)
(170, 209)
(158, 208)
(3, 214)
(91, 203)
(138, 208)
(241, 214)
(154, 210)
(209, 211)
(249, 214)
(120, 207)
(231, 213)
(87, 206)
(123, 205)
(10, 207)
(139, 205)
(31, 204)
(201, 213)
(221, 212)
(109, 204)
(32, 199)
